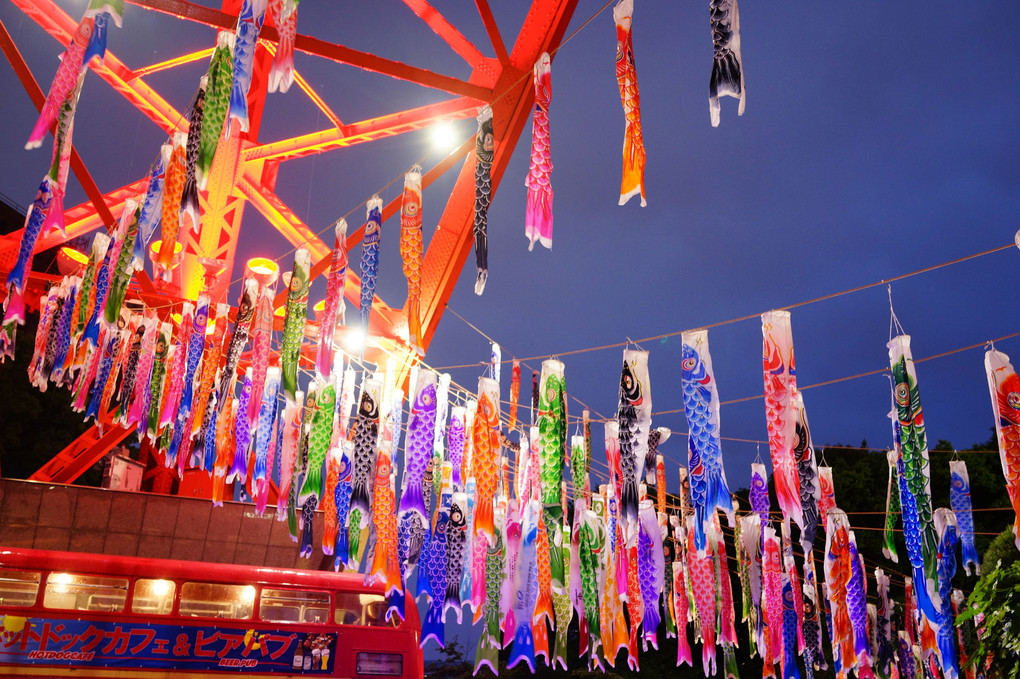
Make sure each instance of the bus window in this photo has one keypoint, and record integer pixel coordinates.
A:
(353, 608)
(153, 596)
(18, 588)
(213, 600)
(85, 592)
(285, 605)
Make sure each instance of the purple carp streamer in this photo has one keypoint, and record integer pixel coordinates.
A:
(418, 445)
(538, 218)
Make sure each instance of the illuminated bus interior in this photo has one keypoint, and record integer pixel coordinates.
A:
(18, 588)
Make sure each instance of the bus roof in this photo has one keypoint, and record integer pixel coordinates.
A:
(109, 564)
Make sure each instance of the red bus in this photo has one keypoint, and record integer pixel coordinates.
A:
(66, 614)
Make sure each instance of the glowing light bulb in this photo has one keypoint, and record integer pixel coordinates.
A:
(443, 136)
(354, 340)
(61, 580)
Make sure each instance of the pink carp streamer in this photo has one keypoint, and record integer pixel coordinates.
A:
(261, 339)
(64, 82)
(633, 181)
(538, 219)
(60, 165)
(701, 568)
(281, 73)
(334, 307)
(827, 499)
(780, 386)
(1004, 386)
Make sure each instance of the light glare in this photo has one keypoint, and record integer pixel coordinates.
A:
(354, 340)
(443, 136)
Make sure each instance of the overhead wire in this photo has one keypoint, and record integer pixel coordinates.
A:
(748, 317)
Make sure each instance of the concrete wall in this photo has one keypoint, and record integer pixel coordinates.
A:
(96, 520)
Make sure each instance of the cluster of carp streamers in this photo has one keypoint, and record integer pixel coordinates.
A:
(220, 109)
(180, 172)
(483, 522)
(486, 523)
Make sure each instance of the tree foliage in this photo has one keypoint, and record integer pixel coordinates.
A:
(1001, 553)
(994, 606)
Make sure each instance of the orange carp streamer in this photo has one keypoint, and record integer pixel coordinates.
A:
(633, 182)
(173, 190)
(411, 247)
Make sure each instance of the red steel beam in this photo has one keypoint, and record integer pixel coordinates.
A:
(81, 454)
(364, 131)
(172, 63)
(445, 30)
(492, 29)
(321, 48)
(310, 92)
(280, 216)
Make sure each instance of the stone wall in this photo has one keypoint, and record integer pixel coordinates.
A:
(101, 521)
